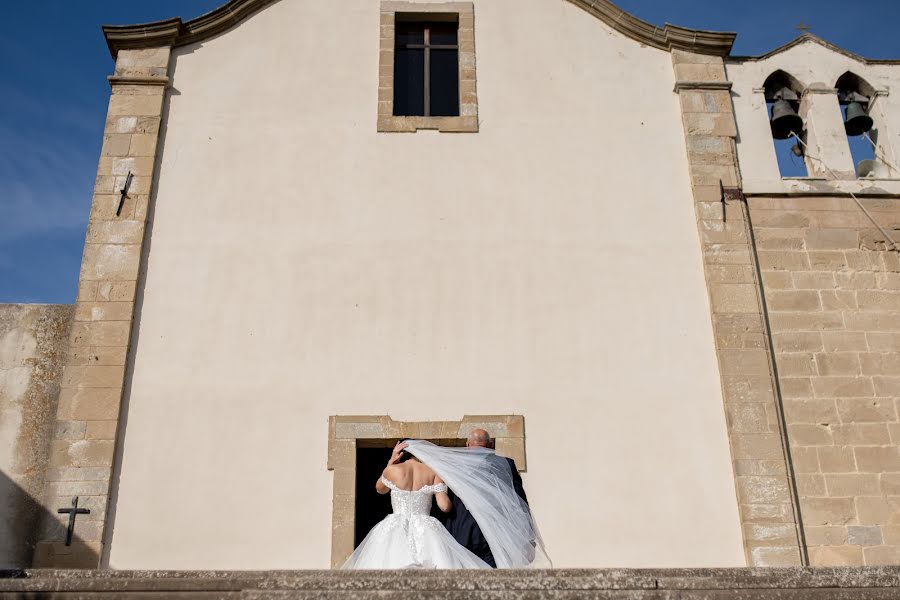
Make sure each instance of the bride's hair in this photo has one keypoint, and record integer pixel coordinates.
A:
(404, 455)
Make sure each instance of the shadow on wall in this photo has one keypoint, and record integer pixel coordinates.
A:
(23, 521)
(33, 345)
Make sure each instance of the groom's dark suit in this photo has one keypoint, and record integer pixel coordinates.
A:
(462, 526)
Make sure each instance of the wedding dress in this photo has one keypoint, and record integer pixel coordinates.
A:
(411, 538)
(483, 481)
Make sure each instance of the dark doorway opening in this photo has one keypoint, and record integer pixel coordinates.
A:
(371, 507)
(372, 456)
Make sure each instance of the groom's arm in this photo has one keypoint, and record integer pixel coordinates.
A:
(517, 480)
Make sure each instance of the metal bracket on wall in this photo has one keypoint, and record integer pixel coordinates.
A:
(729, 193)
(124, 192)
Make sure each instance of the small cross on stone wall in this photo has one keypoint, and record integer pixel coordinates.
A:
(73, 512)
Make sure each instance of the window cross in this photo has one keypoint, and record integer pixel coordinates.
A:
(427, 46)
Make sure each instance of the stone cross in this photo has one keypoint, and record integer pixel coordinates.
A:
(72, 512)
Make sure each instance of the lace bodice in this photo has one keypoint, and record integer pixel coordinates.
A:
(412, 503)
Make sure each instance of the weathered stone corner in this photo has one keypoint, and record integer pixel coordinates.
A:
(94, 374)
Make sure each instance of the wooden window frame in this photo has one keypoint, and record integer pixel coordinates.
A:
(426, 46)
(467, 121)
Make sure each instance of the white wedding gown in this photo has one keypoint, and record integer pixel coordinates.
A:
(411, 538)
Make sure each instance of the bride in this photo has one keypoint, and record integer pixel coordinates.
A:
(410, 537)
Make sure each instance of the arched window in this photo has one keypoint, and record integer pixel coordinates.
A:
(783, 100)
(856, 97)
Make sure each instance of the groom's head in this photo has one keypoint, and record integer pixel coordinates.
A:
(479, 438)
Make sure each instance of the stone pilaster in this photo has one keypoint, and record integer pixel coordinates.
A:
(94, 374)
(762, 476)
(827, 152)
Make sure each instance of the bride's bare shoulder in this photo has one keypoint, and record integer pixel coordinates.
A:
(425, 474)
(396, 473)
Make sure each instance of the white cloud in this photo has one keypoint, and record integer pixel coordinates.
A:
(45, 184)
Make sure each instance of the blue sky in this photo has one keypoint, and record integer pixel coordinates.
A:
(54, 93)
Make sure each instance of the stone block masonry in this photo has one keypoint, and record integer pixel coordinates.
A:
(762, 478)
(833, 292)
(81, 454)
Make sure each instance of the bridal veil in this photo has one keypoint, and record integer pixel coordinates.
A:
(485, 485)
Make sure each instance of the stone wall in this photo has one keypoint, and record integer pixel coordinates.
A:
(94, 372)
(32, 348)
(833, 295)
(847, 583)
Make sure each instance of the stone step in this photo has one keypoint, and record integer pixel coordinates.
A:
(876, 583)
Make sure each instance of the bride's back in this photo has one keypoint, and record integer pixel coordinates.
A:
(410, 475)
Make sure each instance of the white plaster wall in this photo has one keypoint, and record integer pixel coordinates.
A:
(303, 265)
(810, 63)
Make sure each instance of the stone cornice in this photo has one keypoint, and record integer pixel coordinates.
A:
(819, 187)
(175, 32)
(146, 35)
(668, 37)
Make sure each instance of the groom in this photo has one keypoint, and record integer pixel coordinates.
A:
(460, 522)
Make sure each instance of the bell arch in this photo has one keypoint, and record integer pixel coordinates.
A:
(851, 81)
(779, 79)
(785, 107)
(864, 124)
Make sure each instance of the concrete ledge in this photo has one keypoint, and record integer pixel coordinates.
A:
(745, 583)
(808, 186)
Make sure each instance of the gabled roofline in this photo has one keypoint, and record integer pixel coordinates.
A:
(668, 37)
(809, 37)
(175, 32)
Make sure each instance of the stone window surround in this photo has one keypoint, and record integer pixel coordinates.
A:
(347, 433)
(467, 121)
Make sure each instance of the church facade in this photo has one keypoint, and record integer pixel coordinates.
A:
(319, 227)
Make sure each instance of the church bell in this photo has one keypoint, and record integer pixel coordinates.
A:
(857, 121)
(785, 120)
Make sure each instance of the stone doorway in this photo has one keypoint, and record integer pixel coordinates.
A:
(359, 447)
